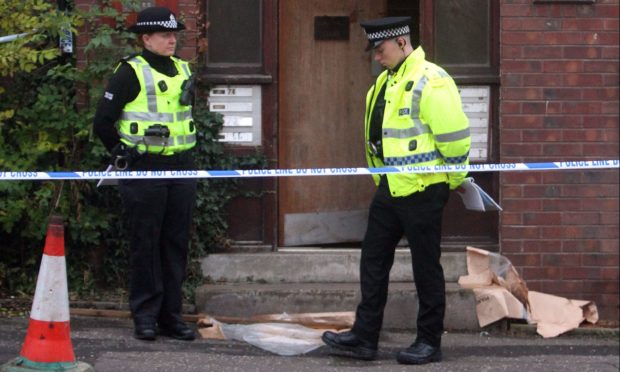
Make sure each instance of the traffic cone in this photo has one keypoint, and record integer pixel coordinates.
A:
(48, 341)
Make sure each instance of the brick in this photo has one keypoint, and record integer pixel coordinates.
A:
(521, 149)
(609, 80)
(564, 151)
(582, 107)
(609, 287)
(561, 205)
(532, 273)
(609, 245)
(525, 260)
(610, 273)
(563, 66)
(580, 218)
(511, 80)
(581, 24)
(601, 66)
(561, 177)
(578, 80)
(605, 38)
(610, 219)
(534, 107)
(527, 232)
(530, 24)
(520, 178)
(511, 52)
(564, 38)
(562, 93)
(567, 232)
(582, 52)
(601, 232)
(512, 192)
(560, 287)
(509, 245)
(542, 191)
(610, 108)
(588, 135)
(611, 24)
(554, 122)
(596, 259)
(521, 205)
(512, 136)
(561, 260)
(572, 273)
(600, 205)
(541, 136)
(548, 10)
(610, 52)
(581, 246)
(507, 107)
(509, 218)
(541, 219)
(600, 121)
(606, 94)
(543, 80)
(522, 66)
(601, 176)
(542, 246)
(521, 122)
(590, 191)
(601, 150)
(536, 52)
(515, 10)
(523, 94)
(522, 38)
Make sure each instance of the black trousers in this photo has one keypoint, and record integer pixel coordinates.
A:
(159, 214)
(418, 217)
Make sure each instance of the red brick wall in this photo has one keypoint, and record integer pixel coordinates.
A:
(559, 101)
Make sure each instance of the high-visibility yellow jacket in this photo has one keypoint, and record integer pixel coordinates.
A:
(423, 125)
(158, 103)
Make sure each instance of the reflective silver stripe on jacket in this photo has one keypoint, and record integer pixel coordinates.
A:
(148, 116)
(151, 93)
(185, 68)
(157, 141)
(405, 133)
(415, 106)
(184, 115)
(453, 136)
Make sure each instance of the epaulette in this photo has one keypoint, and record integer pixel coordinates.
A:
(436, 76)
(129, 57)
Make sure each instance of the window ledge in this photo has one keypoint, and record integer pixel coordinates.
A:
(237, 79)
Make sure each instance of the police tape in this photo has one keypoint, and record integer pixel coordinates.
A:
(308, 172)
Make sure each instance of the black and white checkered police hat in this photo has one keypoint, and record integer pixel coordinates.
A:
(156, 19)
(379, 30)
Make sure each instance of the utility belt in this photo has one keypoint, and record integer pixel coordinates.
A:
(183, 160)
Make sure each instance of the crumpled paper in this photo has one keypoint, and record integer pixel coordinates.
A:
(501, 293)
(282, 334)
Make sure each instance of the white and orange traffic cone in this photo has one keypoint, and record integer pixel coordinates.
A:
(47, 346)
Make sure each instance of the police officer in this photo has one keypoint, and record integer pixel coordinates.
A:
(413, 117)
(146, 125)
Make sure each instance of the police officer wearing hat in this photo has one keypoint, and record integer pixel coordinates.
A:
(413, 118)
(145, 120)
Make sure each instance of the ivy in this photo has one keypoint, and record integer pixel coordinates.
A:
(47, 105)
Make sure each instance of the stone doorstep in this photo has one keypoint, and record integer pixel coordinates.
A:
(245, 300)
(313, 266)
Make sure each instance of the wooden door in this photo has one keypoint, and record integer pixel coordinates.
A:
(322, 89)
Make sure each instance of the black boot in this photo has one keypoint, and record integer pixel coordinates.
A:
(144, 332)
(179, 331)
(349, 342)
(419, 353)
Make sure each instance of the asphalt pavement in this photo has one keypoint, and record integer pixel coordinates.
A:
(107, 345)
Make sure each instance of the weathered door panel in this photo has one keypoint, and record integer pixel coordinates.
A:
(322, 90)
